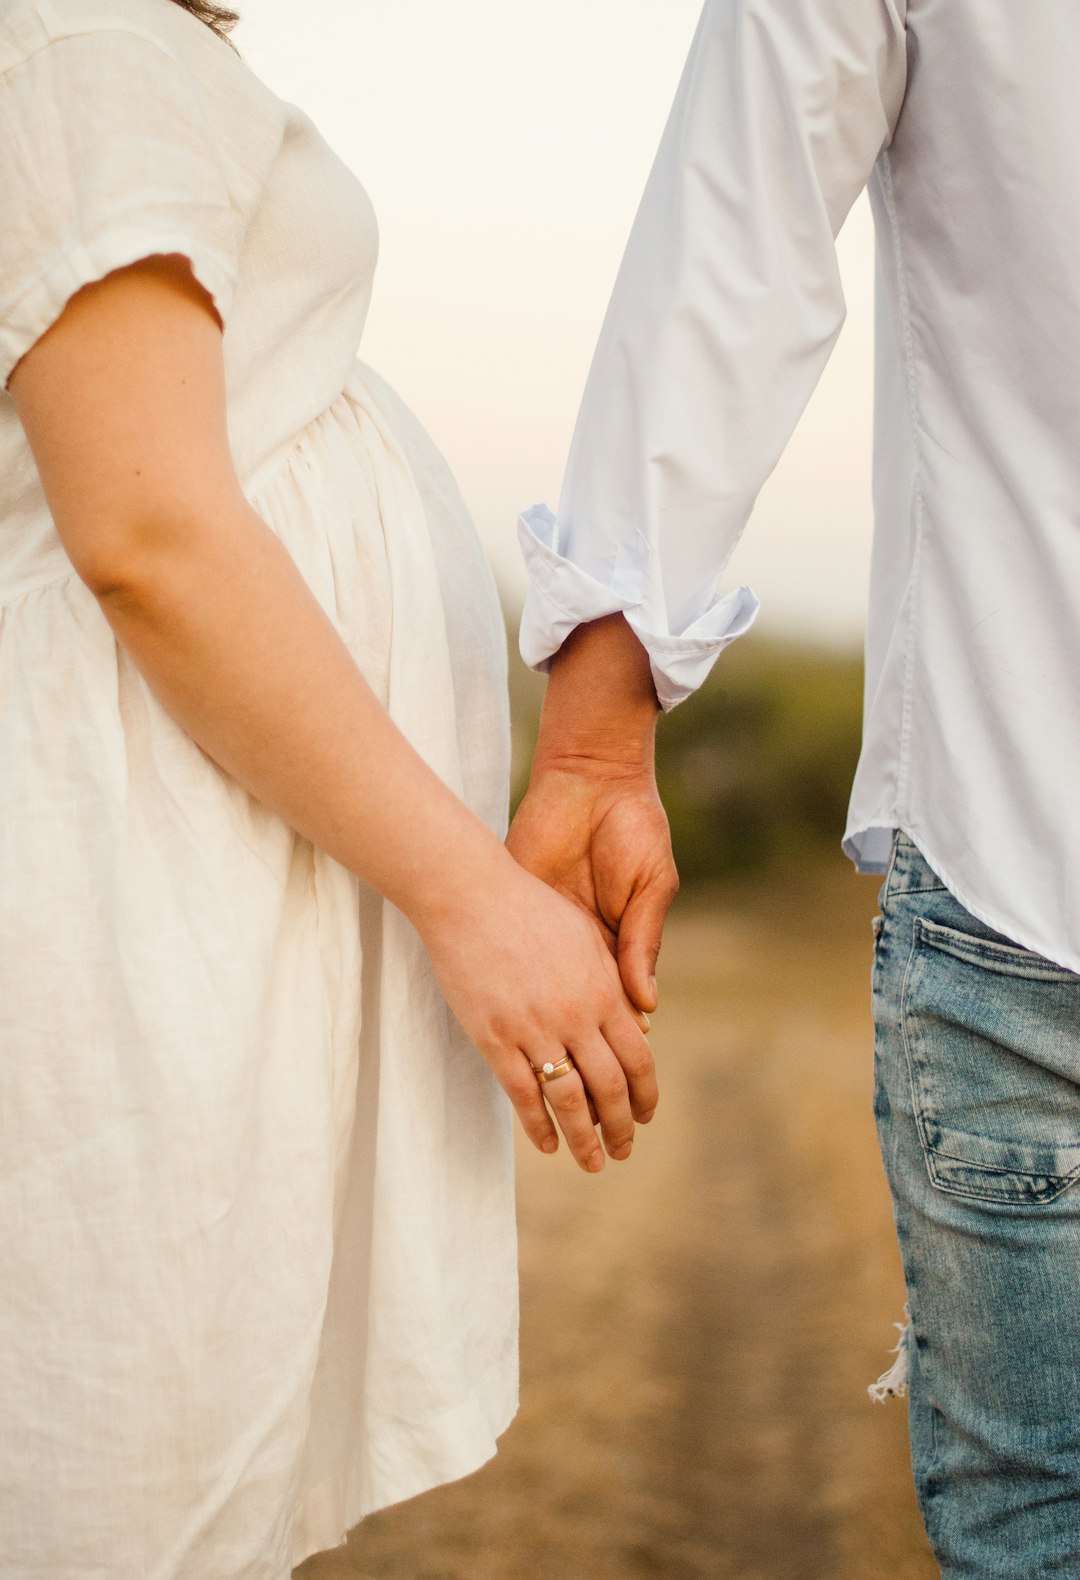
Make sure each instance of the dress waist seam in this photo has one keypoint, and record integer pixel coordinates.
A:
(22, 586)
(268, 468)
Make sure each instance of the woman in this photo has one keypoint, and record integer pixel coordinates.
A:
(256, 1198)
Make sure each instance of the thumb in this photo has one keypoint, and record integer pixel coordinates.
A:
(640, 929)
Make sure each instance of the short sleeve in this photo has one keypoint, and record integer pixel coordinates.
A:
(106, 156)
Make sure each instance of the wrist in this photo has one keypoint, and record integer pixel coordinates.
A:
(454, 887)
(600, 709)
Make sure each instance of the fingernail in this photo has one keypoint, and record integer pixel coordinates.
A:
(643, 1020)
(550, 1144)
(595, 1162)
(653, 988)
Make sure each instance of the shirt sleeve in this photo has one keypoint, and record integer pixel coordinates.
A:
(106, 157)
(726, 308)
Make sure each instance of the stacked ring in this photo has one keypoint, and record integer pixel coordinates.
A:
(552, 1071)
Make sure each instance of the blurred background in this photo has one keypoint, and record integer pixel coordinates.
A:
(699, 1326)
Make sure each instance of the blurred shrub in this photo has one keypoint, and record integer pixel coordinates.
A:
(755, 770)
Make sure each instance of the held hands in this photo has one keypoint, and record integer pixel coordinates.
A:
(527, 956)
(591, 825)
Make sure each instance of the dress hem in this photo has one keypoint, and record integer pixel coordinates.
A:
(306, 1543)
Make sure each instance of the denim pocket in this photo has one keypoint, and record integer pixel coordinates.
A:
(992, 1034)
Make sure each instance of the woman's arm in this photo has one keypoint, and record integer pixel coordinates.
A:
(123, 401)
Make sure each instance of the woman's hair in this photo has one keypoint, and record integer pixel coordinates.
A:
(217, 17)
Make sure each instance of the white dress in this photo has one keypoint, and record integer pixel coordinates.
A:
(257, 1258)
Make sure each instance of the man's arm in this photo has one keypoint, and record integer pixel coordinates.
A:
(727, 305)
(591, 823)
(726, 308)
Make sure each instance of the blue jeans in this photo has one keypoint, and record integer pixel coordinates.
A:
(978, 1111)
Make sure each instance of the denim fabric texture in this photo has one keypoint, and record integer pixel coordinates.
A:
(977, 1103)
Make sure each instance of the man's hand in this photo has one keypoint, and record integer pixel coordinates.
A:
(600, 836)
(591, 823)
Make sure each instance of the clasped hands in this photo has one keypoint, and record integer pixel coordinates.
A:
(592, 827)
(550, 948)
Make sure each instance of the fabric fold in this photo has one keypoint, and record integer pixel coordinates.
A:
(562, 595)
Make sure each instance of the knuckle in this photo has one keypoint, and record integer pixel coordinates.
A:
(521, 1088)
(612, 1003)
(610, 1088)
(566, 1100)
(499, 1033)
(638, 1064)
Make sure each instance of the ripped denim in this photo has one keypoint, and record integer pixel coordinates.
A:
(978, 1111)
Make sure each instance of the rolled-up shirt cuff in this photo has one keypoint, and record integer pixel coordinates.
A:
(562, 596)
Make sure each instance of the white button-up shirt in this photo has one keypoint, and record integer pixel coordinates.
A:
(964, 117)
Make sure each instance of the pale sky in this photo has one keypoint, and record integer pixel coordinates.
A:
(505, 147)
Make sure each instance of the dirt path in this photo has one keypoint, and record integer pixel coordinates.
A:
(699, 1327)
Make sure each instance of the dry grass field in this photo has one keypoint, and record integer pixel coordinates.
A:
(699, 1325)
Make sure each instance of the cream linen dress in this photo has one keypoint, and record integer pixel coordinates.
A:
(257, 1259)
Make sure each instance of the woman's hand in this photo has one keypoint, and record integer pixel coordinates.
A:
(528, 976)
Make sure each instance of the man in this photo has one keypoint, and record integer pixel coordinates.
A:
(963, 116)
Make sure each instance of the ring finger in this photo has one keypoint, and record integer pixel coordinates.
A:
(565, 1096)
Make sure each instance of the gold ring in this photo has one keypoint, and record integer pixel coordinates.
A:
(551, 1072)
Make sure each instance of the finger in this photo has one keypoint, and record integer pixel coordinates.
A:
(634, 1055)
(606, 1085)
(640, 931)
(565, 1097)
(523, 1090)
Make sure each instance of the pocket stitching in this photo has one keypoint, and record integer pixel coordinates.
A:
(1004, 959)
(950, 1188)
(1060, 1181)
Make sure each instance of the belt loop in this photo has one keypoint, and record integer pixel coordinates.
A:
(886, 890)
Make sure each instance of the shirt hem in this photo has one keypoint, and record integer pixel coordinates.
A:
(982, 913)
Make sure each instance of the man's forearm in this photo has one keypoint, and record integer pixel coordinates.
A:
(600, 704)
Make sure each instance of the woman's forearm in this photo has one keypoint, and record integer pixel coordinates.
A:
(124, 403)
(236, 647)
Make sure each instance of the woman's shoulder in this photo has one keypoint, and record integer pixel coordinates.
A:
(28, 26)
(156, 42)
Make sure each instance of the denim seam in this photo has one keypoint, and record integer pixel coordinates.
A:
(909, 1057)
(1016, 1202)
(987, 953)
(1063, 1180)
(886, 889)
(992, 1168)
